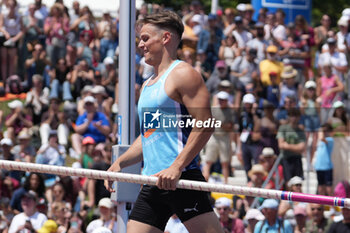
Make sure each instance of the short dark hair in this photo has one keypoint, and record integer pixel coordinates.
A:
(166, 19)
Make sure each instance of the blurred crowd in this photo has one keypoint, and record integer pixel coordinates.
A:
(280, 91)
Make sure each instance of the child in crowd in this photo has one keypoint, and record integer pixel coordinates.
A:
(323, 163)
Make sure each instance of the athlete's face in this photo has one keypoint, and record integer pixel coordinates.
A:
(151, 43)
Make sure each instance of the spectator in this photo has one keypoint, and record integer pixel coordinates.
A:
(272, 223)
(56, 28)
(6, 154)
(92, 123)
(202, 65)
(84, 51)
(7, 185)
(220, 142)
(343, 36)
(267, 159)
(252, 217)
(82, 75)
(323, 162)
(88, 146)
(192, 28)
(259, 43)
(24, 151)
(12, 29)
(61, 216)
(310, 107)
(245, 69)
(270, 65)
(267, 128)
(228, 50)
(107, 33)
(30, 219)
(317, 222)
(291, 142)
(257, 175)
(41, 11)
(106, 209)
(59, 77)
(104, 102)
(289, 86)
(17, 120)
(54, 119)
(96, 189)
(342, 190)
(110, 77)
(33, 182)
(249, 137)
(300, 219)
(37, 98)
(321, 33)
(220, 73)
(340, 124)
(272, 91)
(210, 39)
(294, 185)
(241, 34)
(223, 206)
(36, 64)
(279, 30)
(51, 153)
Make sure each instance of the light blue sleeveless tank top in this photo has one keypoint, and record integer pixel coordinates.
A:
(162, 137)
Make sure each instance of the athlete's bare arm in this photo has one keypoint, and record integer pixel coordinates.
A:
(186, 86)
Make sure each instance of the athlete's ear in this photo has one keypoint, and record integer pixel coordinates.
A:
(166, 37)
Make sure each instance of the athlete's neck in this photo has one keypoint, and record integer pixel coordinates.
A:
(163, 66)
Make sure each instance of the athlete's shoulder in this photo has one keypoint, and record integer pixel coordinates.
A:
(184, 72)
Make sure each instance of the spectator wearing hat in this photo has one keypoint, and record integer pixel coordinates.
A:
(272, 223)
(234, 95)
(92, 123)
(223, 207)
(54, 119)
(329, 89)
(241, 34)
(340, 128)
(300, 219)
(257, 175)
(317, 222)
(343, 36)
(17, 120)
(106, 208)
(267, 160)
(333, 58)
(209, 39)
(30, 218)
(270, 65)
(86, 91)
(86, 158)
(323, 161)
(104, 102)
(59, 77)
(219, 144)
(259, 43)
(342, 189)
(248, 21)
(110, 77)
(249, 138)
(310, 108)
(245, 69)
(291, 141)
(289, 86)
(252, 217)
(294, 185)
(33, 182)
(24, 151)
(60, 215)
(37, 99)
(192, 28)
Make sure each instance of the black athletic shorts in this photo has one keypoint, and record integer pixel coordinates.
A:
(155, 206)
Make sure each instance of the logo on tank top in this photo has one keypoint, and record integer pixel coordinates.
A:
(167, 120)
